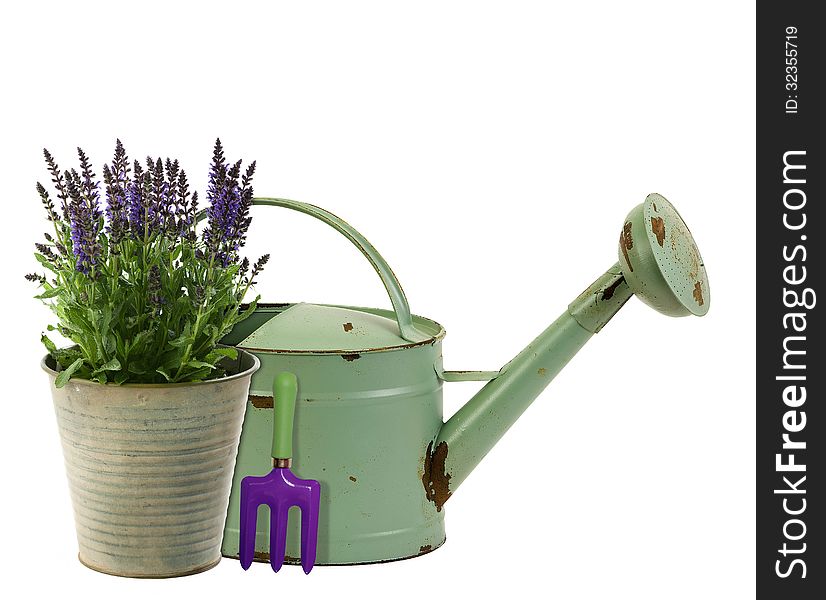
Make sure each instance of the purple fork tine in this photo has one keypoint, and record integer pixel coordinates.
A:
(309, 525)
(278, 534)
(249, 514)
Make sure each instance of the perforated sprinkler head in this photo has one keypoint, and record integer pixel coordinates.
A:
(660, 260)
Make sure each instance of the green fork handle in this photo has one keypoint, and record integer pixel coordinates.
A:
(284, 392)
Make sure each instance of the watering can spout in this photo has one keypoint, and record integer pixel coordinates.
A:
(476, 427)
(658, 261)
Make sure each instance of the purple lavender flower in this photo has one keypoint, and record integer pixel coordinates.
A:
(142, 213)
(59, 183)
(186, 208)
(243, 222)
(133, 200)
(171, 203)
(84, 214)
(160, 195)
(51, 215)
(117, 182)
(116, 213)
(216, 196)
(35, 277)
(46, 251)
(258, 267)
(229, 204)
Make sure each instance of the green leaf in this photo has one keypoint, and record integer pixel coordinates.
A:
(120, 347)
(109, 343)
(139, 341)
(199, 364)
(183, 339)
(164, 373)
(50, 346)
(211, 331)
(50, 293)
(112, 365)
(221, 353)
(105, 318)
(249, 310)
(138, 368)
(197, 375)
(45, 262)
(64, 375)
(66, 356)
(180, 341)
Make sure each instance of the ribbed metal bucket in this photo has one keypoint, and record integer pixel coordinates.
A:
(150, 468)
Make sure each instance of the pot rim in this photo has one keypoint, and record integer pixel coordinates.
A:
(246, 373)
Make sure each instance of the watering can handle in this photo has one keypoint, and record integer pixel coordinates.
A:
(391, 284)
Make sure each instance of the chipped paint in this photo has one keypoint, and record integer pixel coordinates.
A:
(626, 243)
(353, 479)
(435, 479)
(608, 292)
(658, 228)
(265, 557)
(541, 371)
(261, 401)
(351, 357)
(348, 327)
(698, 293)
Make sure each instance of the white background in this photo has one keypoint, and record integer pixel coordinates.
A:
(490, 151)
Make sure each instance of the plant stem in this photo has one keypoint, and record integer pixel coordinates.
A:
(188, 349)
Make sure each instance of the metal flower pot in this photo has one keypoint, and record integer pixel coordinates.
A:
(150, 467)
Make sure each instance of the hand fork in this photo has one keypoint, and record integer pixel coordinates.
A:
(280, 489)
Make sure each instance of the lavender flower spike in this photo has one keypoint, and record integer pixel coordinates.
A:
(117, 182)
(84, 214)
(229, 203)
(142, 210)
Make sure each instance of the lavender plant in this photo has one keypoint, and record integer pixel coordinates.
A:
(144, 298)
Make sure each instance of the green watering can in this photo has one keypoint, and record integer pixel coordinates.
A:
(368, 419)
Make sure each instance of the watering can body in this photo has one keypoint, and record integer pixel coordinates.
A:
(363, 421)
(368, 419)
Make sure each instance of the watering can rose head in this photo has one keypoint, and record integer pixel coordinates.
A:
(144, 298)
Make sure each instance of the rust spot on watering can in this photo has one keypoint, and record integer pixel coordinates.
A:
(425, 549)
(265, 557)
(541, 371)
(698, 293)
(348, 327)
(353, 479)
(608, 292)
(654, 205)
(435, 479)
(626, 243)
(658, 227)
(351, 357)
(261, 401)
